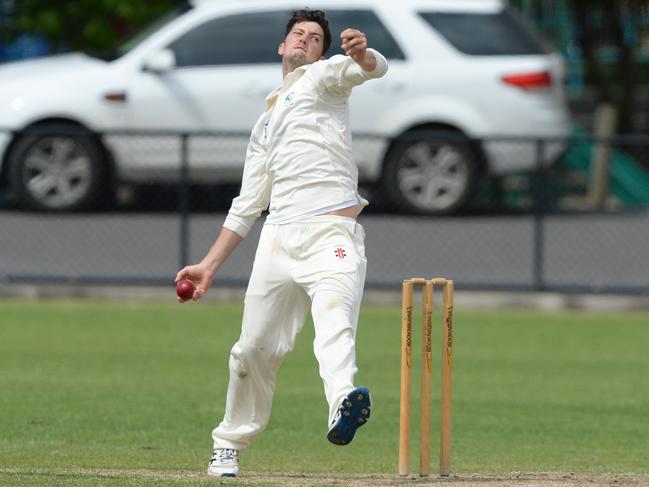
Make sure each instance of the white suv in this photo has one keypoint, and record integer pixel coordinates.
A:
(465, 68)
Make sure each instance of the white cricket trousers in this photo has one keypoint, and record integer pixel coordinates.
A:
(318, 262)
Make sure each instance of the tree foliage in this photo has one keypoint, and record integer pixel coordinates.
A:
(84, 24)
(613, 24)
(605, 39)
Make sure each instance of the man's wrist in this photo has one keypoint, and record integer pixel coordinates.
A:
(211, 265)
(369, 61)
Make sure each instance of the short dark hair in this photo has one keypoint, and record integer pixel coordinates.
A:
(308, 15)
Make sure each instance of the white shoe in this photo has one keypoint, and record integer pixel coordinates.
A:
(224, 463)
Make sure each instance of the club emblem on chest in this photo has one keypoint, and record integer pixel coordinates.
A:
(289, 100)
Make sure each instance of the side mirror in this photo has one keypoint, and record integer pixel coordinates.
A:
(160, 62)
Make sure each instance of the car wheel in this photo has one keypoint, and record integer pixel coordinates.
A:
(430, 172)
(56, 168)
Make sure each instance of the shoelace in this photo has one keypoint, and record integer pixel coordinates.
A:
(224, 455)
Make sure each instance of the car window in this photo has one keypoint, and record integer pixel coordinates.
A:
(252, 38)
(491, 34)
(149, 29)
(378, 36)
(249, 38)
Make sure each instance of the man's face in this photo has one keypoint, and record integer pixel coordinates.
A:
(303, 44)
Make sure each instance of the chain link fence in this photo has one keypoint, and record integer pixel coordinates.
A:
(568, 215)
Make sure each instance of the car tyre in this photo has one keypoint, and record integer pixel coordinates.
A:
(430, 172)
(57, 168)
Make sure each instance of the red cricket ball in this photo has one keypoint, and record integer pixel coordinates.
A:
(185, 289)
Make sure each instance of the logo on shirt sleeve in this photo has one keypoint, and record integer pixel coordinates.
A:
(340, 253)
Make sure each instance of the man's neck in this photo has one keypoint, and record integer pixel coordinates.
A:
(287, 69)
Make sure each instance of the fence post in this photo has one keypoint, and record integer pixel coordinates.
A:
(539, 191)
(183, 201)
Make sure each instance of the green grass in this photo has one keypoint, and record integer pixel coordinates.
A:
(101, 385)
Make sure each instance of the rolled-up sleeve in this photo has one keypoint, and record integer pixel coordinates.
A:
(254, 196)
(343, 73)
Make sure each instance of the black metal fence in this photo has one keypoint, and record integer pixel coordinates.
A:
(580, 224)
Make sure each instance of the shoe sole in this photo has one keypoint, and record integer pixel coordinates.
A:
(219, 474)
(354, 413)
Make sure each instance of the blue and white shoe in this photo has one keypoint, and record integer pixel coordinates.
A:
(354, 411)
(224, 463)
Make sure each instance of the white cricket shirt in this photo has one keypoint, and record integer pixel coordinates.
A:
(299, 162)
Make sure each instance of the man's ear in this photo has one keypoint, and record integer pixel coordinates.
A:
(280, 49)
